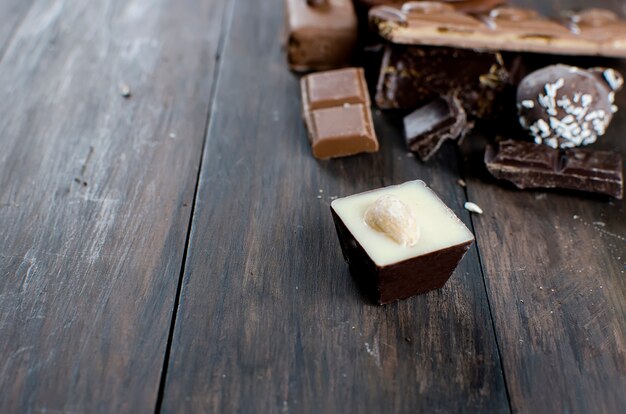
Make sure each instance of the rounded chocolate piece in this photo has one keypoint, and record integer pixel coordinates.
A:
(565, 106)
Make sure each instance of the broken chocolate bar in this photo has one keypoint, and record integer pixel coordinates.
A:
(470, 6)
(564, 106)
(413, 76)
(321, 34)
(529, 165)
(399, 241)
(336, 110)
(587, 33)
(429, 126)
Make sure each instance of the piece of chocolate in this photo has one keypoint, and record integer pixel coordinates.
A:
(429, 126)
(336, 110)
(529, 165)
(410, 77)
(588, 33)
(565, 106)
(321, 34)
(399, 241)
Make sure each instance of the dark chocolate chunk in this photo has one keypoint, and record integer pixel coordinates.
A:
(429, 126)
(413, 76)
(565, 106)
(529, 165)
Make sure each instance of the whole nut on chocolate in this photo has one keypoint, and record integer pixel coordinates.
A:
(391, 216)
(565, 106)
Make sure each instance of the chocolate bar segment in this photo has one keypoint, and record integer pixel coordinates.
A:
(590, 32)
(410, 77)
(529, 165)
(429, 126)
(385, 267)
(336, 110)
(321, 34)
(470, 6)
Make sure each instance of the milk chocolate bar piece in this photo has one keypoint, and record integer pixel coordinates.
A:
(399, 241)
(321, 34)
(336, 110)
(413, 76)
(429, 126)
(589, 32)
(529, 165)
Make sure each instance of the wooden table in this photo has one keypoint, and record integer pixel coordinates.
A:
(174, 251)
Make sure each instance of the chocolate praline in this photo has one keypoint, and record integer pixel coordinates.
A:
(565, 106)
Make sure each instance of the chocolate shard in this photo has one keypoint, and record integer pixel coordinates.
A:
(413, 76)
(590, 32)
(336, 110)
(429, 126)
(529, 165)
(321, 34)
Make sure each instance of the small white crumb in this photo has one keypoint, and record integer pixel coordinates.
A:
(575, 217)
(319, 196)
(321, 191)
(461, 182)
(125, 90)
(334, 197)
(473, 208)
(172, 135)
(410, 154)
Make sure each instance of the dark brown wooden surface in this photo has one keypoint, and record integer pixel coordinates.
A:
(95, 196)
(122, 289)
(270, 318)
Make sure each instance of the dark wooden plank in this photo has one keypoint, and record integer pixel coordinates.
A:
(555, 266)
(12, 13)
(269, 318)
(95, 196)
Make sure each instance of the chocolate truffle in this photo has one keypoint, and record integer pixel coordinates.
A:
(565, 106)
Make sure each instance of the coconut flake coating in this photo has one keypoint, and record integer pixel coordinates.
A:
(565, 106)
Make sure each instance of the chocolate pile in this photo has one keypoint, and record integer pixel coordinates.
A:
(432, 72)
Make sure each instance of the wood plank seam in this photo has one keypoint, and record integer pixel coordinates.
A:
(226, 24)
(482, 274)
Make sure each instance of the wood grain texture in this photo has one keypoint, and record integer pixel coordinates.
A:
(555, 265)
(269, 318)
(12, 12)
(95, 196)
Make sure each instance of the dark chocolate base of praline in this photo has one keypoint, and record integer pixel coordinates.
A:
(383, 285)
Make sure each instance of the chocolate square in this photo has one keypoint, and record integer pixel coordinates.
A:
(336, 111)
(412, 273)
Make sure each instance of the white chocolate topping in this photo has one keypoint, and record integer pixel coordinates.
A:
(439, 228)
